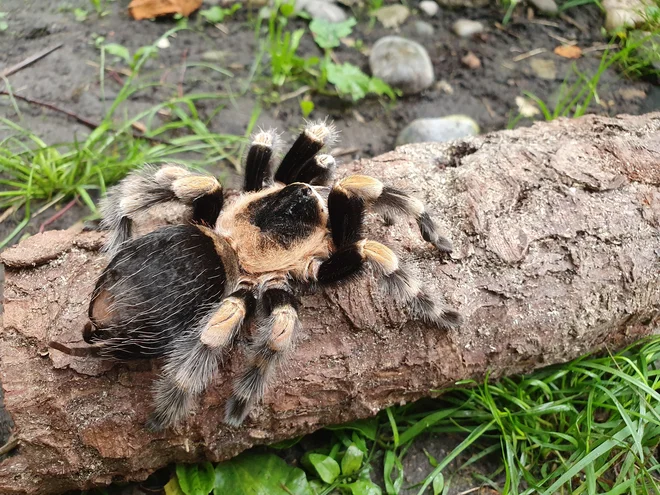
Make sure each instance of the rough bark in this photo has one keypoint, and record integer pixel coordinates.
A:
(557, 252)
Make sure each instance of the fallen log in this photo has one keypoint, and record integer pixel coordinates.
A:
(556, 230)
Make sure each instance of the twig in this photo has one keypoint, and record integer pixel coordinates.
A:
(109, 68)
(489, 109)
(11, 444)
(536, 51)
(561, 39)
(57, 215)
(343, 151)
(9, 211)
(599, 48)
(116, 77)
(575, 23)
(507, 31)
(183, 72)
(30, 60)
(543, 22)
(298, 92)
(78, 118)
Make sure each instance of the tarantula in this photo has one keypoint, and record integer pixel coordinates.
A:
(184, 292)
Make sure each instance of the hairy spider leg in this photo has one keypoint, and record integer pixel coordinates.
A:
(258, 160)
(278, 325)
(346, 207)
(192, 362)
(314, 137)
(152, 185)
(317, 171)
(392, 202)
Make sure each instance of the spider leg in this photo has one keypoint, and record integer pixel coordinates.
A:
(150, 186)
(313, 138)
(193, 361)
(355, 253)
(258, 160)
(391, 202)
(274, 338)
(317, 171)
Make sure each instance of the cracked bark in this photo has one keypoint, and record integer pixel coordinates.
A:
(556, 231)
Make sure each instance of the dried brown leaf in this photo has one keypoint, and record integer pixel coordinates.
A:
(568, 51)
(147, 9)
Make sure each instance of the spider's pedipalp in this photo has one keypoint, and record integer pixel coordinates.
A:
(391, 202)
(273, 340)
(150, 186)
(313, 138)
(258, 159)
(193, 361)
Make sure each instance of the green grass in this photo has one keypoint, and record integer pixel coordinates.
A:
(579, 90)
(34, 171)
(591, 426)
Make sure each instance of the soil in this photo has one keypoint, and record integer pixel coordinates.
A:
(69, 78)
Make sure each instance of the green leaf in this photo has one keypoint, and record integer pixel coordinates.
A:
(349, 80)
(324, 466)
(364, 487)
(216, 14)
(306, 106)
(438, 484)
(173, 488)
(80, 15)
(352, 460)
(287, 9)
(196, 479)
(118, 51)
(327, 34)
(260, 474)
(392, 461)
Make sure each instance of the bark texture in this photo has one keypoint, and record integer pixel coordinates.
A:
(556, 231)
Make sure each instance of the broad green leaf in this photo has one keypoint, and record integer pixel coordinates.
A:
(195, 479)
(352, 460)
(173, 488)
(359, 442)
(438, 484)
(324, 466)
(349, 80)
(118, 51)
(327, 34)
(364, 487)
(260, 474)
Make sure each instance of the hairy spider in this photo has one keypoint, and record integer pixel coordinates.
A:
(184, 292)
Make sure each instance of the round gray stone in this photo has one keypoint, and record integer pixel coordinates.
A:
(438, 130)
(466, 28)
(548, 7)
(324, 10)
(424, 29)
(429, 7)
(402, 63)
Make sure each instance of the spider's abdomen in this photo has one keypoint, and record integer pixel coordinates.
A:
(156, 287)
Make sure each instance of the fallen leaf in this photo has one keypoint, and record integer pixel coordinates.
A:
(147, 9)
(139, 126)
(568, 51)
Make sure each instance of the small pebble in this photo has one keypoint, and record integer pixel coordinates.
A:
(438, 130)
(623, 13)
(544, 68)
(323, 10)
(547, 7)
(424, 29)
(402, 63)
(392, 16)
(429, 7)
(471, 61)
(466, 28)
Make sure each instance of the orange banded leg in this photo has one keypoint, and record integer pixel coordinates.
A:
(274, 339)
(193, 362)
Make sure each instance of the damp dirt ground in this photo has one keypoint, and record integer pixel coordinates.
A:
(69, 78)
